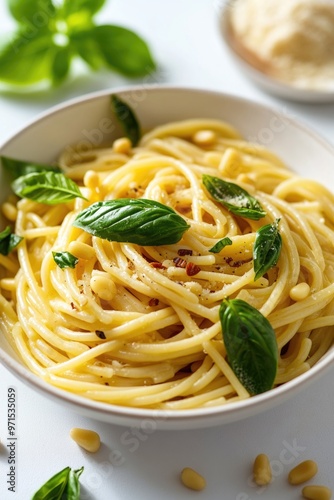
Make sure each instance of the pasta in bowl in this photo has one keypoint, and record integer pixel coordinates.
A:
(181, 273)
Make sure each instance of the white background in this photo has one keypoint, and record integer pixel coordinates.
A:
(185, 39)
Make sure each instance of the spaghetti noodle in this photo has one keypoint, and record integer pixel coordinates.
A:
(139, 325)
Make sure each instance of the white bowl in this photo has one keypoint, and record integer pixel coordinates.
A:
(261, 78)
(85, 119)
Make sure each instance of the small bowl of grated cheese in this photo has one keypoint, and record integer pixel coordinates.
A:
(285, 47)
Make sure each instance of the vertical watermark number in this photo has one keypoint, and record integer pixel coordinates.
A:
(11, 439)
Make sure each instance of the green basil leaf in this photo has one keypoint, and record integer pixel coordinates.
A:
(87, 48)
(251, 345)
(65, 259)
(61, 64)
(34, 13)
(55, 487)
(71, 7)
(236, 199)
(123, 50)
(267, 248)
(140, 221)
(8, 241)
(20, 167)
(220, 245)
(26, 59)
(73, 485)
(50, 188)
(127, 119)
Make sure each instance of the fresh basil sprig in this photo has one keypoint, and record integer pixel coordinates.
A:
(46, 187)
(267, 248)
(140, 221)
(127, 119)
(65, 259)
(224, 242)
(8, 241)
(20, 167)
(250, 343)
(51, 34)
(236, 199)
(64, 484)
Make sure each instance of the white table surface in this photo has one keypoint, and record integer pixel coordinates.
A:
(185, 40)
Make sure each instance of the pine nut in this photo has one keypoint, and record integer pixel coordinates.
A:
(300, 291)
(303, 472)
(212, 158)
(87, 439)
(9, 211)
(103, 286)
(262, 470)
(192, 479)
(92, 180)
(314, 492)
(204, 137)
(122, 146)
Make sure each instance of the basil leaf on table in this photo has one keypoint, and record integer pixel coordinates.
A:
(26, 59)
(65, 259)
(139, 221)
(123, 50)
(74, 6)
(220, 245)
(267, 248)
(50, 33)
(26, 11)
(20, 167)
(236, 199)
(8, 241)
(61, 64)
(127, 119)
(73, 485)
(55, 487)
(251, 345)
(87, 48)
(50, 188)
(64, 484)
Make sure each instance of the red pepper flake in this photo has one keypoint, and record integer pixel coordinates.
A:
(236, 263)
(184, 251)
(179, 262)
(73, 305)
(153, 302)
(157, 265)
(100, 334)
(192, 269)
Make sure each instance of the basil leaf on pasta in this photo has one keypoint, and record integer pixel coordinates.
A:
(236, 199)
(127, 119)
(8, 241)
(220, 245)
(20, 167)
(250, 343)
(65, 259)
(46, 187)
(140, 221)
(267, 248)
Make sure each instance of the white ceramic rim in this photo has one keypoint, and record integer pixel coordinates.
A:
(180, 419)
